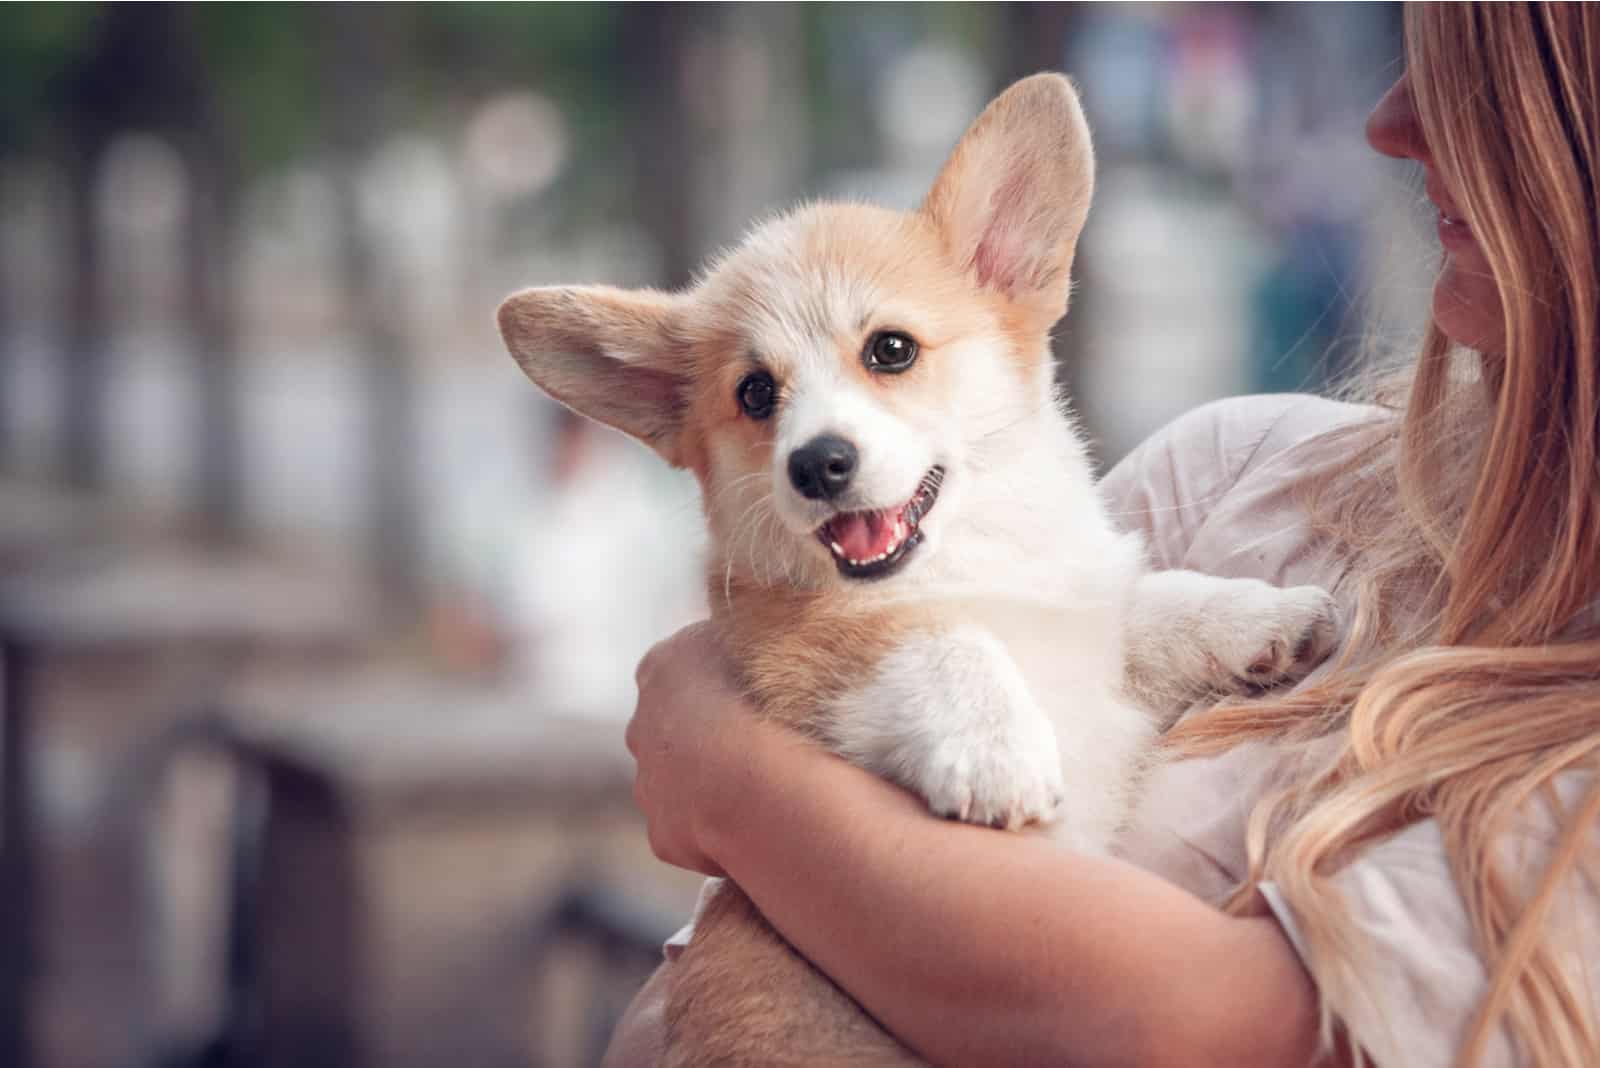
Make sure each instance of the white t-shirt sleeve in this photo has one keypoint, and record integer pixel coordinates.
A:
(1422, 979)
(680, 939)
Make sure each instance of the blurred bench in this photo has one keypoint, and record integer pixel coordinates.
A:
(446, 876)
(106, 640)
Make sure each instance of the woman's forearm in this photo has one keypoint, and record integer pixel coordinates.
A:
(977, 946)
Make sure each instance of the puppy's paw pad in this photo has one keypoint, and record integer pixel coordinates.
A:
(1290, 638)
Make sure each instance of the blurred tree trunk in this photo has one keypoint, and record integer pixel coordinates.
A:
(353, 69)
(83, 311)
(651, 47)
(210, 245)
(209, 280)
(752, 104)
(8, 364)
(146, 69)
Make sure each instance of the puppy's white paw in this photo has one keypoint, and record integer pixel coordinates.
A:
(1278, 636)
(1002, 771)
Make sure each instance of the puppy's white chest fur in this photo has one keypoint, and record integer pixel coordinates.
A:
(1007, 708)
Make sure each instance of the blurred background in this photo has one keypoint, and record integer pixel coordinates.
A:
(318, 623)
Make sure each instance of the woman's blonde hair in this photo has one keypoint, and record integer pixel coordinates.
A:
(1480, 503)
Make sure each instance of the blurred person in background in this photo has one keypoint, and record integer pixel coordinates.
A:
(606, 513)
(1395, 861)
(522, 601)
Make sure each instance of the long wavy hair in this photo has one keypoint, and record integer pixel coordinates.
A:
(1470, 524)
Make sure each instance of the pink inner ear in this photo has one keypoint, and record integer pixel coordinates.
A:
(657, 389)
(1002, 257)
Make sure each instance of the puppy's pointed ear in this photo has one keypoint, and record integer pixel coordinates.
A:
(1012, 199)
(609, 354)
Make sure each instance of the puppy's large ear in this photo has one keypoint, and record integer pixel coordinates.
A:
(609, 354)
(1012, 198)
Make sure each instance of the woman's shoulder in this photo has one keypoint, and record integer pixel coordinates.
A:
(1228, 462)
(1219, 442)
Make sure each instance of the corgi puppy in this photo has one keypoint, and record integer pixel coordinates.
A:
(909, 559)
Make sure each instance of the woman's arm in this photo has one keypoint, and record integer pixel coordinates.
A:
(971, 945)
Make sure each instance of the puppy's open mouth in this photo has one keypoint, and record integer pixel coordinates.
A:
(870, 545)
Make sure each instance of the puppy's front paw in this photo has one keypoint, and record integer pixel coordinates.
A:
(1283, 634)
(977, 748)
(1003, 771)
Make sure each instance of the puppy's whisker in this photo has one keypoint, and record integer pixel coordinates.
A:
(736, 484)
(738, 537)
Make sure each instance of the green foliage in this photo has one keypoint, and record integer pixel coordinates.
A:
(543, 35)
(39, 44)
(565, 50)
(268, 65)
(262, 61)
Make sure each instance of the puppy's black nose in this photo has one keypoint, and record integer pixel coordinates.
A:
(822, 467)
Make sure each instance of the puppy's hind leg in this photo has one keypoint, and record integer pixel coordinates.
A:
(742, 997)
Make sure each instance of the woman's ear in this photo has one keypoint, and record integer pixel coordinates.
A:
(610, 354)
(1012, 199)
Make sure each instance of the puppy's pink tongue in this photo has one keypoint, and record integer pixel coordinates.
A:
(862, 535)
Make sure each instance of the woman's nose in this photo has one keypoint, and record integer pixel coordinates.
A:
(1393, 128)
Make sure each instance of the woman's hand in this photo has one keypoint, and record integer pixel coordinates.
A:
(692, 734)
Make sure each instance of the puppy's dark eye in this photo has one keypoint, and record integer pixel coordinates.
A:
(889, 352)
(758, 394)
